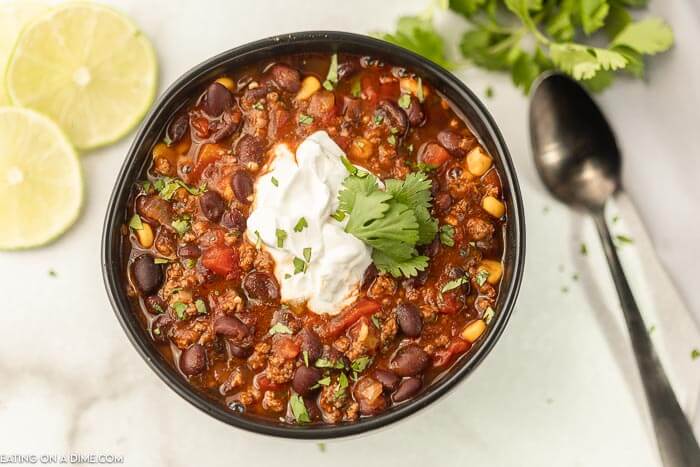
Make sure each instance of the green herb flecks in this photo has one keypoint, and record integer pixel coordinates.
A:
(305, 119)
(332, 77)
(135, 222)
(279, 328)
(404, 101)
(181, 225)
(296, 404)
(180, 309)
(454, 283)
(275, 181)
(201, 307)
(281, 237)
(447, 233)
(481, 277)
(301, 224)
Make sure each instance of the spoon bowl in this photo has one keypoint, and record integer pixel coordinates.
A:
(574, 147)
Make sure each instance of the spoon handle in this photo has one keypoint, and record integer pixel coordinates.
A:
(674, 434)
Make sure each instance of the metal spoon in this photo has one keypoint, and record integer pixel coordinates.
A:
(579, 162)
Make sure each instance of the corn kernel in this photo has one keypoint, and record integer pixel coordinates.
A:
(161, 150)
(493, 268)
(309, 86)
(478, 162)
(227, 82)
(410, 85)
(493, 206)
(145, 235)
(473, 330)
(361, 148)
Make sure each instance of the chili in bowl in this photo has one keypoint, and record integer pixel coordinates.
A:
(315, 235)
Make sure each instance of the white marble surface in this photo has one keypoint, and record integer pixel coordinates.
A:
(559, 389)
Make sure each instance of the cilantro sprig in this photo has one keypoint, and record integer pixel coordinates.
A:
(392, 221)
(528, 37)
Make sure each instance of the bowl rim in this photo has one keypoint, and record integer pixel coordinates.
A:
(115, 217)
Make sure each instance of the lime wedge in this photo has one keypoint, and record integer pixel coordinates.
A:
(13, 17)
(87, 67)
(41, 187)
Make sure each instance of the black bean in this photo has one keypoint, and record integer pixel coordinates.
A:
(304, 379)
(262, 287)
(397, 117)
(243, 186)
(347, 69)
(410, 360)
(160, 327)
(155, 305)
(286, 78)
(212, 205)
(193, 360)
(189, 251)
(250, 149)
(235, 220)
(415, 114)
(178, 127)
(370, 274)
(388, 379)
(239, 351)
(217, 100)
(442, 202)
(310, 343)
(231, 327)
(148, 276)
(451, 141)
(409, 319)
(408, 388)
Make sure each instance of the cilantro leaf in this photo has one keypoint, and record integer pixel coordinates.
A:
(418, 34)
(649, 36)
(583, 62)
(407, 268)
(592, 14)
(296, 404)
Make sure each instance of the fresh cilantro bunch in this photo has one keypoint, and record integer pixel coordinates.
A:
(393, 221)
(527, 37)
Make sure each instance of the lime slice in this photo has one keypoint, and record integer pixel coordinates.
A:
(41, 187)
(13, 17)
(87, 67)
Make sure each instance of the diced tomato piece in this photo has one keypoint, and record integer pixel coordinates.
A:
(221, 260)
(286, 347)
(444, 356)
(264, 384)
(434, 155)
(349, 316)
(208, 154)
(448, 303)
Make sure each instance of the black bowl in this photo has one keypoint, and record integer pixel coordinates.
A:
(150, 132)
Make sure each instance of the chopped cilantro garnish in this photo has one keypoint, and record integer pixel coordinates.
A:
(584, 249)
(161, 261)
(281, 237)
(296, 403)
(326, 363)
(275, 181)
(287, 276)
(258, 105)
(167, 186)
(258, 240)
(342, 385)
(489, 92)
(301, 224)
(325, 381)
(332, 77)
(695, 354)
(305, 119)
(181, 225)
(454, 283)
(447, 233)
(624, 239)
(321, 447)
(305, 354)
(481, 277)
(348, 165)
(356, 88)
(299, 265)
(338, 215)
(307, 254)
(378, 119)
(190, 263)
(488, 315)
(404, 101)
(376, 322)
(52, 273)
(135, 222)
(419, 91)
(360, 364)
(201, 307)
(279, 328)
(391, 139)
(180, 309)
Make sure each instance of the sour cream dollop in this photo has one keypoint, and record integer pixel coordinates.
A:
(303, 189)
